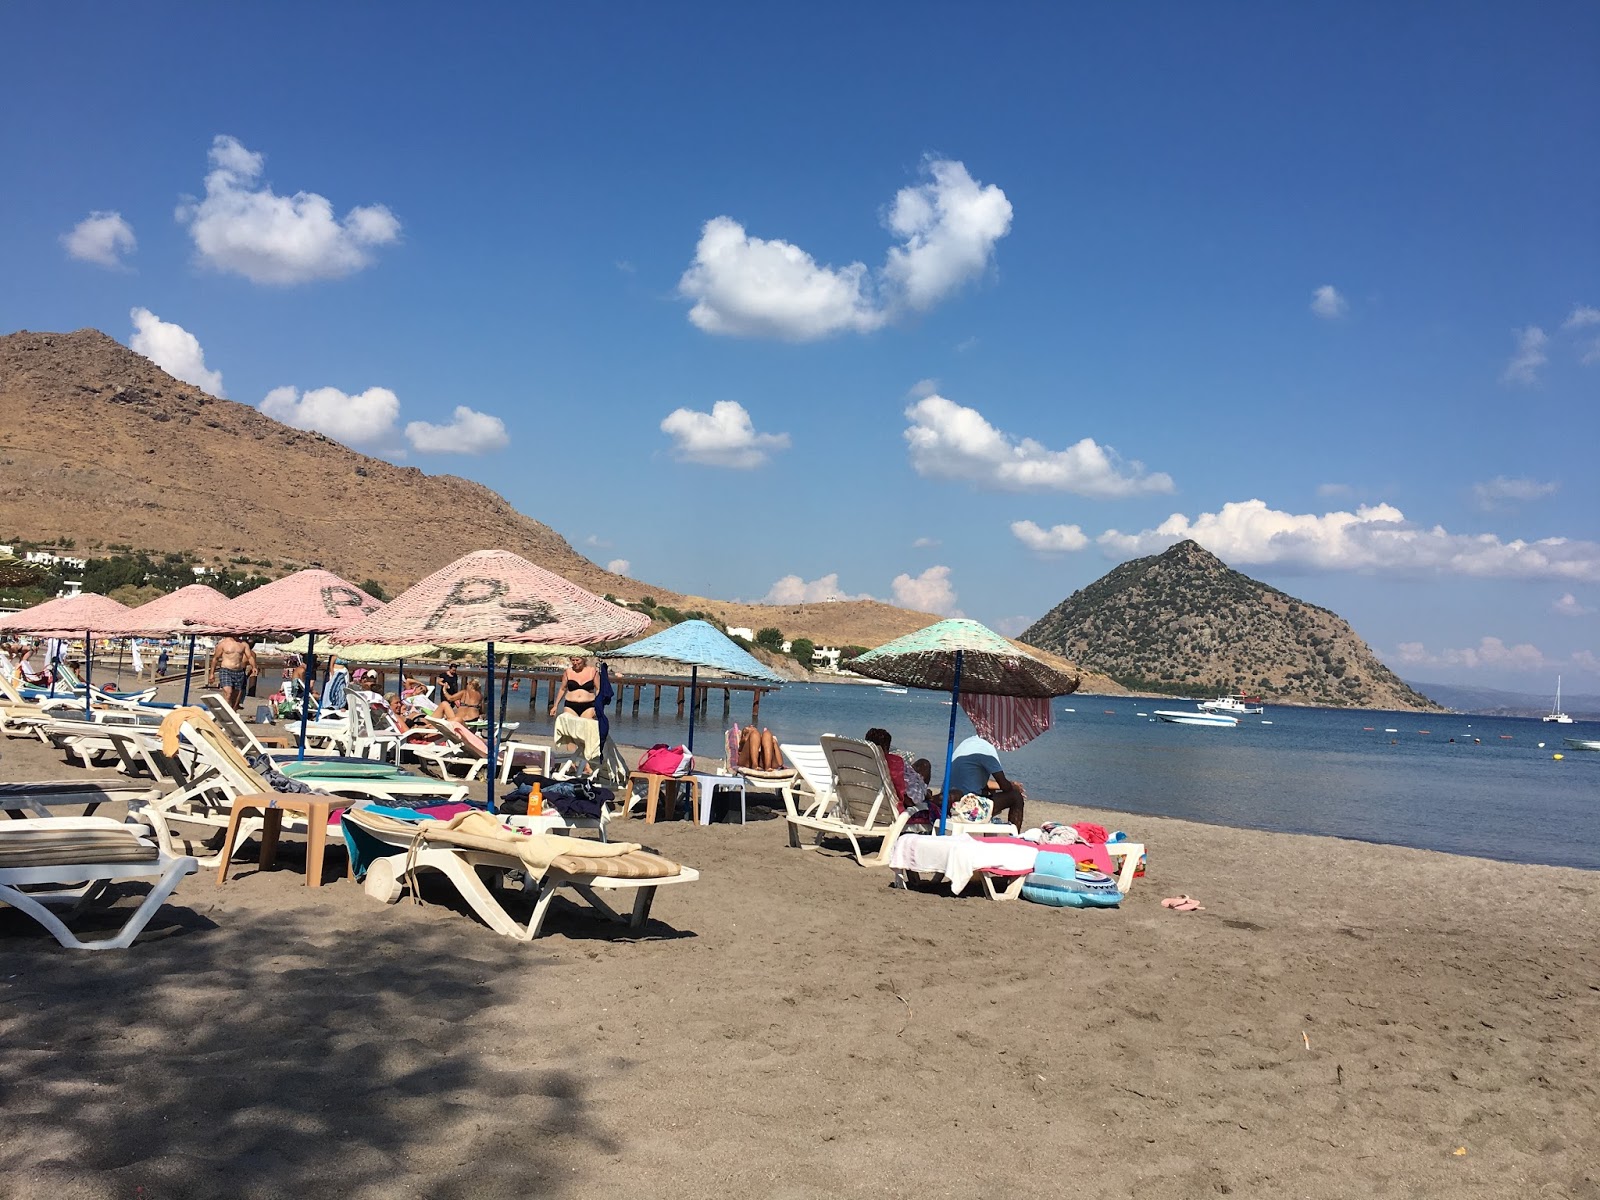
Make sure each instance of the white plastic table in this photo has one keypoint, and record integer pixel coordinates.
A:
(708, 789)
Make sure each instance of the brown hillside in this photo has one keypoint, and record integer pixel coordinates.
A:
(101, 446)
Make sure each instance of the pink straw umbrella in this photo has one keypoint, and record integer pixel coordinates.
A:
(310, 602)
(174, 614)
(71, 616)
(496, 596)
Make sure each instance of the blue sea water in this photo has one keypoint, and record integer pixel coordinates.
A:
(1492, 791)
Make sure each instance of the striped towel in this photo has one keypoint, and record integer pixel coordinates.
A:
(1007, 722)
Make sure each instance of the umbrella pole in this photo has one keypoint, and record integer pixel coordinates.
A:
(505, 690)
(88, 673)
(488, 706)
(305, 691)
(188, 671)
(950, 747)
(694, 701)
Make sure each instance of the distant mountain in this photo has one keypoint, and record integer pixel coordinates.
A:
(1183, 623)
(1491, 702)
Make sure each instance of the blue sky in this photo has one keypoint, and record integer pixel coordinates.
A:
(949, 305)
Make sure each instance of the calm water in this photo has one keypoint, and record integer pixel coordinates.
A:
(1310, 771)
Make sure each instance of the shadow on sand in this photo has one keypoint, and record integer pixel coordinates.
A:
(323, 1050)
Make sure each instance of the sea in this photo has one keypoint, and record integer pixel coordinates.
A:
(1494, 787)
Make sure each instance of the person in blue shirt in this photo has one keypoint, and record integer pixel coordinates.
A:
(976, 762)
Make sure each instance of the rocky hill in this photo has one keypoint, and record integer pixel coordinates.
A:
(1183, 623)
(101, 448)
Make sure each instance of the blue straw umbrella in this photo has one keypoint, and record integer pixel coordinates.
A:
(959, 655)
(698, 644)
(496, 597)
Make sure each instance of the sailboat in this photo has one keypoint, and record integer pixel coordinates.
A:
(1556, 716)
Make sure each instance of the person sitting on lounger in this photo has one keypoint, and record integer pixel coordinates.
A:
(468, 705)
(897, 764)
(975, 766)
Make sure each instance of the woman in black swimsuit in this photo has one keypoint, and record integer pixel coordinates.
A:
(579, 683)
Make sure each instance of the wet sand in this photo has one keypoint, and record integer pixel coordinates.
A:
(1341, 1020)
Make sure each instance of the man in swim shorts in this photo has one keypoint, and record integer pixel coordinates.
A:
(232, 666)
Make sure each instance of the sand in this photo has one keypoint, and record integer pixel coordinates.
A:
(1341, 1020)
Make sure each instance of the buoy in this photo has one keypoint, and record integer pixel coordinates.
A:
(1558, 757)
(1541, 745)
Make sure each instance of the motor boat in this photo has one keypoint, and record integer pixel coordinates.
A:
(1583, 743)
(890, 689)
(1239, 706)
(1220, 720)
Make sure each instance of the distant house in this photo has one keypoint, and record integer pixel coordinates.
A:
(46, 559)
(825, 658)
(739, 631)
(202, 572)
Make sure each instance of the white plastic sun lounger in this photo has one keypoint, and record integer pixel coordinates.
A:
(92, 853)
(863, 800)
(460, 854)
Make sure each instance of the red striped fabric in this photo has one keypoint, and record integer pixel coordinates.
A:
(1008, 722)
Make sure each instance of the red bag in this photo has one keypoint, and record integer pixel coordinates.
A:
(662, 759)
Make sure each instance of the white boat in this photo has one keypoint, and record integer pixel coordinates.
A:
(1583, 743)
(1556, 716)
(1221, 720)
(890, 689)
(1239, 706)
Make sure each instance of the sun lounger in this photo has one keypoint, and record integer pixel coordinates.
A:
(36, 798)
(459, 748)
(93, 853)
(809, 792)
(389, 853)
(863, 804)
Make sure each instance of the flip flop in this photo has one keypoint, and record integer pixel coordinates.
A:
(1173, 901)
(1188, 904)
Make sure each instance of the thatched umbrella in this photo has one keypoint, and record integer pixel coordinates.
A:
(308, 602)
(71, 616)
(494, 596)
(699, 644)
(960, 654)
(172, 615)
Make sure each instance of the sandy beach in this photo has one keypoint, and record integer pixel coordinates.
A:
(1341, 1020)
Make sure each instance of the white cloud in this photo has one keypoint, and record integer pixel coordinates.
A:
(1530, 356)
(619, 566)
(1327, 303)
(1570, 606)
(792, 589)
(1012, 626)
(1373, 538)
(1501, 491)
(948, 226)
(928, 592)
(469, 432)
(364, 418)
(1584, 316)
(101, 237)
(723, 437)
(926, 543)
(1490, 653)
(755, 287)
(949, 441)
(174, 349)
(242, 226)
(595, 540)
(1335, 489)
(751, 287)
(1058, 539)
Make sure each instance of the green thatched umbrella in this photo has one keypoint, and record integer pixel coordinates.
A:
(956, 654)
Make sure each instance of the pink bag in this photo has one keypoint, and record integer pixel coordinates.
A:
(662, 759)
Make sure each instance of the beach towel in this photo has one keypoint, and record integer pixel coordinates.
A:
(1007, 722)
(585, 731)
